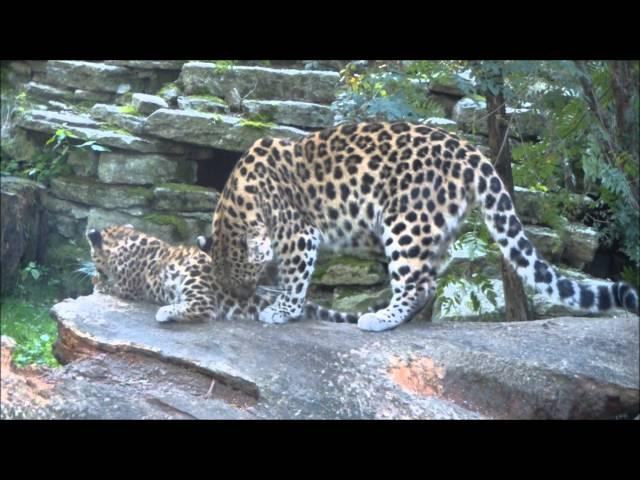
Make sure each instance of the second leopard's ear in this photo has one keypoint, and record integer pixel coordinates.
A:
(95, 238)
(204, 243)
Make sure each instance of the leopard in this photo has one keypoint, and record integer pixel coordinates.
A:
(133, 265)
(397, 187)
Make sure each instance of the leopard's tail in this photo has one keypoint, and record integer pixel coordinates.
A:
(506, 229)
(313, 310)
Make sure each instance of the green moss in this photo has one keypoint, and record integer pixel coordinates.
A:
(258, 125)
(185, 188)
(325, 264)
(165, 89)
(181, 227)
(211, 98)
(129, 109)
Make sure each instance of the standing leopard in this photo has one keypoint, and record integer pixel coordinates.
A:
(136, 266)
(399, 187)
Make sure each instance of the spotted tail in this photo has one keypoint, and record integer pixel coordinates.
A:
(313, 310)
(506, 229)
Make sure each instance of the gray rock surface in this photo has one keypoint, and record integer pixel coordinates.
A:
(287, 112)
(148, 64)
(207, 129)
(113, 114)
(144, 169)
(90, 192)
(49, 122)
(259, 82)
(180, 197)
(83, 162)
(92, 76)
(47, 92)
(171, 227)
(201, 104)
(147, 104)
(559, 368)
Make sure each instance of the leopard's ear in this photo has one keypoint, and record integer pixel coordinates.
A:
(95, 238)
(204, 243)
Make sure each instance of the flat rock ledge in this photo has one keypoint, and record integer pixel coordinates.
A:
(561, 368)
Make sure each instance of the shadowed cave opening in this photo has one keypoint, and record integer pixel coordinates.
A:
(214, 168)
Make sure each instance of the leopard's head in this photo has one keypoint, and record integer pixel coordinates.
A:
(103, 244)
(241, 280)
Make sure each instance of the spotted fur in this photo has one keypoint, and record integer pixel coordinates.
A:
(136, 266)
(399, 187)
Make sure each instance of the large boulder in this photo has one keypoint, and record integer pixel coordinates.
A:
(211, 130)
(171, 227)
(202, 103)
(563, 368)
(86, 129)
(186, 198)
(40, 91)
(144, 169)
(348, 270)
(92, 76)
(89, 192)
(113, 114)
(259, 82)
(288, 112)
(23, 227)
(147, 104)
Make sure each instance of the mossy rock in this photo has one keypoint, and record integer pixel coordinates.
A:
(354, 300)
(348, 270)
(89, 192)
(185, 197)
(180, 226)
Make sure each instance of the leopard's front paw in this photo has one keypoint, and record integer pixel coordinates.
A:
(373, 323)
(164, 314)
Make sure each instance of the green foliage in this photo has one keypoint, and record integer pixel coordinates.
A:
(51, 161)
(465, 287)
(631, 275)
(223, 66)
(29, 324)
(384, 93)
(474, 244)
(24, 316)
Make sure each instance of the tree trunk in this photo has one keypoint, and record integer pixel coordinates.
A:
(516, 307)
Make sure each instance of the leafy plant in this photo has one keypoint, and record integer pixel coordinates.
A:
(223, 66)
(28, 322)
(52, 160)
(384, 93)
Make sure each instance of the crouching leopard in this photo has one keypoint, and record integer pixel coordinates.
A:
(399, 187)
(136, 266)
